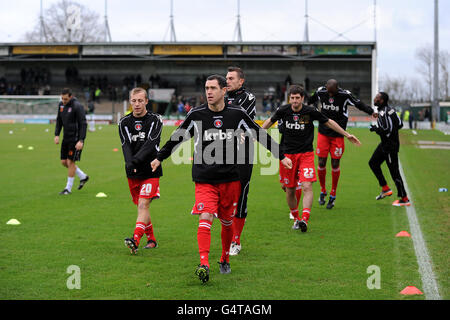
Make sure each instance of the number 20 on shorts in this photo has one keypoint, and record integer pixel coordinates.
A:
(146, 188)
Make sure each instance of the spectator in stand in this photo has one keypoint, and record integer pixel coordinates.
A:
(202, 100)
(276, 105)
(427, 114)
(97, 95)
(47, 89)
(86, 91)
(198, 83)
(151, 81)
(288, 80)
(265, 103)
(180, 107)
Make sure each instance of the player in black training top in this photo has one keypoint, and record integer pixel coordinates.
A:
(140, 134)
(72, 118)
(297, 144)
(216, 129)
(333, 102)
(388, 124)
(238, 95)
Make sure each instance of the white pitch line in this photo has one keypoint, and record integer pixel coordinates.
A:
(430, 286)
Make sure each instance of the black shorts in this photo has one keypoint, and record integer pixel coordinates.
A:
(68, 151)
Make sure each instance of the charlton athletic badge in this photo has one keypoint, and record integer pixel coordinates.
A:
(138, 126)
(218, 123)
(331, 100)
(295, 118)
(200, 206)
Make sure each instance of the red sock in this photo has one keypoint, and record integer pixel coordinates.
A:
(149, 232)
(322, 172)
(139, 232)
(237, 227)
(335, 174)
(385, 188)
(227, 237)
(305, 214)
(405, 199)
(294, 212)
(298, 194)
(204, 240)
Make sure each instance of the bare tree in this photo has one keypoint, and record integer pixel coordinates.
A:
(68, 21)
(425, 68)
(444, 64)
(403, 91)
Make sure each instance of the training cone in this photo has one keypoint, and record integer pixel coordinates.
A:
(115, 149)
(30, 148)
(410, 290)
(101, 195)
(20, 146)
(403, 234)
(13, 222)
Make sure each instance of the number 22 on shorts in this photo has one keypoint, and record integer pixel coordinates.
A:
(308, 173)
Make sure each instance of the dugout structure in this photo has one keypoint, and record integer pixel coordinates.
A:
(268, 66)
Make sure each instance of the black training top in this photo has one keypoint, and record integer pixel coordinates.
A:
(217, 148)
(336, 108)
(140, 139)
(73, 118)
(388, 124)
(298, 128)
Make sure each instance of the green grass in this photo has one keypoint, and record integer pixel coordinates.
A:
(327, 262)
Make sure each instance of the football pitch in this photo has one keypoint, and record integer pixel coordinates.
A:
(334, 259)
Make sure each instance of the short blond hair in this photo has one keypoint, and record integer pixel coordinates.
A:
(138, 90)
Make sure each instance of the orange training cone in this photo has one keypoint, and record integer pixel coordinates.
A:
(411, 290)
(115, 149)
(403, 234)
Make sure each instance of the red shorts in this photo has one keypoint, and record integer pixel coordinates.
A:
(218, 199)
(333, 145)
(303, 169)
(144, 188)
(298, 187)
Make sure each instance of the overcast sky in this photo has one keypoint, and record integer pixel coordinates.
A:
(403, 25)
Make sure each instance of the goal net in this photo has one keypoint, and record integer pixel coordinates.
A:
(28, 105)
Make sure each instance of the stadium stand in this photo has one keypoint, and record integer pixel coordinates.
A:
(105, 72)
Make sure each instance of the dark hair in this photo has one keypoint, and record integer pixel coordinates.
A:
(220, 80)
(238, 70)
(296, 89)
(65, 91)
(384, 96)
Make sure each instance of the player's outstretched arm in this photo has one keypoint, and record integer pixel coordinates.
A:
(353, 139)
(334, 126)
(267, 124)
(155, 164)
